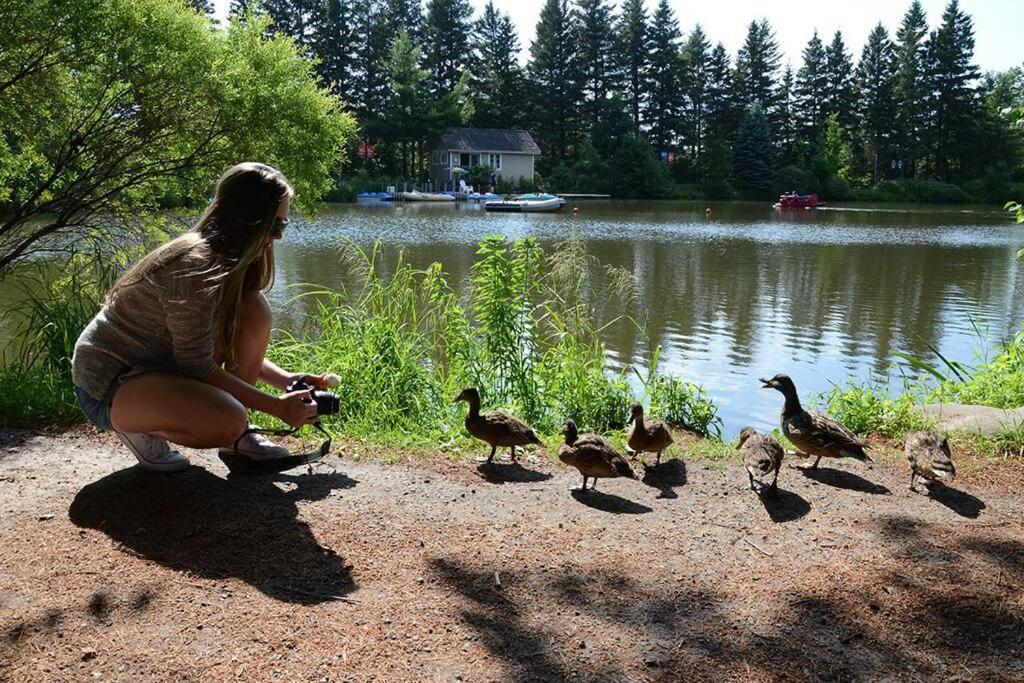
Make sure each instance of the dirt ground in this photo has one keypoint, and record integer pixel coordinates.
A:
(439, 571)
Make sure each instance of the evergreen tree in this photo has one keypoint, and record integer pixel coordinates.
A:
(335, 46)
(204, 7)
(875, 107)
(663, 106)
(632, 54)
(786, 134)
(404, 15)
(406, 107)
(724, 109)
(554, 79)
(497, 76)
(809, 92)
(372, 47)
(753, 158)
(757, 67)
(297, 18)
(446, 42)
(911, 105)
(697, 102)
(241, 7)
(838, 93)
(951, 80)
(593, 20)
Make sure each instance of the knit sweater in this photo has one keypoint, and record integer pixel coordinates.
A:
(164, 322)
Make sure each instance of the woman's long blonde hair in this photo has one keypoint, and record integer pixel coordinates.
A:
(229, 241)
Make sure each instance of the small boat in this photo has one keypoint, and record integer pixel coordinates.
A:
(535, 196)
(427, 197)
(792, 200)
(526, 205)
(373, 195)
(484, 197)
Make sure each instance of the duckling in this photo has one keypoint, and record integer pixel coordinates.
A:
(592, 455)
(761, 455)
(814, 434)
(496, 429)
(929, 457)
(651, 436)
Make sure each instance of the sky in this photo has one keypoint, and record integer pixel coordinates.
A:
(999, 44)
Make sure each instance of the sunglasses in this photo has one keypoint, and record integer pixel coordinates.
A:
(277, 230)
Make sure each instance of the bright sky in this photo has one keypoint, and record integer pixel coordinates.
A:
(997, 23)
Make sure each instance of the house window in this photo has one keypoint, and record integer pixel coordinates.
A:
(494, 161)
(468, 161)
(435, 158)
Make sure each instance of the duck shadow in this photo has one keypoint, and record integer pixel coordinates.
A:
(199, 523)
(960, 502)
(782, 505)
(665, 477)
(609, 502)
(509, 473)
(843, 480)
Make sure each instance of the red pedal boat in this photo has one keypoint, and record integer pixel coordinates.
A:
(792, 200)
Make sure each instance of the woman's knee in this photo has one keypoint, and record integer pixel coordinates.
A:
(255, 313)
(224, 423)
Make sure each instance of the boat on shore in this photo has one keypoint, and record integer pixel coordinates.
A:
(427, 197)
(792, 200)
(521, 205)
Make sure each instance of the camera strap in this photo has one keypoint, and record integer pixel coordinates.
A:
(293, 460)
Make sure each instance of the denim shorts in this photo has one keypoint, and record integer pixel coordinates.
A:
(98, 412)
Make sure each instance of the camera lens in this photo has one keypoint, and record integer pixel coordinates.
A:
(326, 402)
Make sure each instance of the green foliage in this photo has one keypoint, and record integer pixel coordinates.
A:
(128, 104)
(998, 382)
(753, 157)
(685, 405)
(868, 408)
(914, 190)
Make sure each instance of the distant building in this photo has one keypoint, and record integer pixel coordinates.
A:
(509, 153)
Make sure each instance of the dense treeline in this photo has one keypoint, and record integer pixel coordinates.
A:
(625, 89)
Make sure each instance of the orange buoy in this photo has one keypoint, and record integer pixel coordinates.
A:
(707, 212)
(575, 210)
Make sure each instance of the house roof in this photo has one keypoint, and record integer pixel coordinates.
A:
(490, 140)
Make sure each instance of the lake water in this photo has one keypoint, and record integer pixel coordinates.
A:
(822, 295)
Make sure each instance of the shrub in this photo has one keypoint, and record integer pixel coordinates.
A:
(686, 405)
(868, 408)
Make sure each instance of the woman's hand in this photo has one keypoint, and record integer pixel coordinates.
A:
(296, 409)
(318, 381)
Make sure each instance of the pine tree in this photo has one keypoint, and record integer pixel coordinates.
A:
(297, 18)
(632, 54)
(446, 42)
(406, 108)
(372, 46)
(753, 154)
(724, 109)
(786, 133)
(809, 92)
(663, 106)
(838, 94)
(697, 102)
(951, 80)
(335, 46)
(554, 79)
(911, 105)
(204, 7)
(875, 107)
(241, 7)
(497, 76)
(593, 20)
(404, 15)
(757, 67)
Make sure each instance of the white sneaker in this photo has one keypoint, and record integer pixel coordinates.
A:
(153, 452)
(258, 447)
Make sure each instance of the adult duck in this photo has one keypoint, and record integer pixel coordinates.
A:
(496, 429)
(814, 434)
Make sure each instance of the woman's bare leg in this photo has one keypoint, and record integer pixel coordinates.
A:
(182, 410)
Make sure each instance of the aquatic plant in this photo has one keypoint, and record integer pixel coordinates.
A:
(868, 407)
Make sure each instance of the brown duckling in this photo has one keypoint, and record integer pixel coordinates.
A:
(496, 429)
(814, 434)
(592, 455)
(651, 436)
(929, 457)
(762, 454)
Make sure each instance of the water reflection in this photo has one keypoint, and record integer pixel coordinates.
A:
(821, 295)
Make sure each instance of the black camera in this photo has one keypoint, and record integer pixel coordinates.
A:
(327, 403)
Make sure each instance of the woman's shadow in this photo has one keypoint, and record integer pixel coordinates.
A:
(245, 527)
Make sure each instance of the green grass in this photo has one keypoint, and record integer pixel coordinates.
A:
(868, 408)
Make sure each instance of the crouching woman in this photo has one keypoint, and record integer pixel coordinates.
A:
(175, 352)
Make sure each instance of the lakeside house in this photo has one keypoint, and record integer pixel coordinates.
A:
(509, 152)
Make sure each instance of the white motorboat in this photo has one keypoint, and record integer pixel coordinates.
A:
(527, 205)
(427, 197)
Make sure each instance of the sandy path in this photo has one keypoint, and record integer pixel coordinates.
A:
(391, 572)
